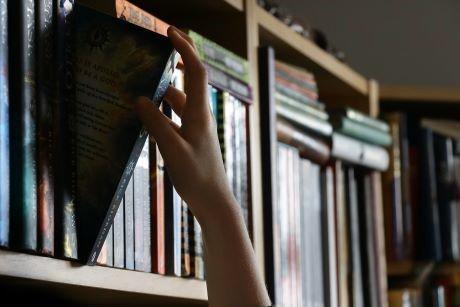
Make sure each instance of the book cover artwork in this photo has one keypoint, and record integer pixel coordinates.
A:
(115, 62)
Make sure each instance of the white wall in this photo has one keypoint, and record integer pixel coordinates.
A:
(413, 42)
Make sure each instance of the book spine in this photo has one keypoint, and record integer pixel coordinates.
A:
(227, 83)
(142, 261)
(185, 241)
(363, 132)
(109, 246)
(4, 126)
(119, 237)
(366, 120)
(295, 73)
(158, 201)
(133, 14)
(313, 95)
(24, 145)
(198, 250)
(284, 90)
(301, 107)
(129, 225)
(307, 84)
(45, 97)
(305, 121)
(243, 164)
(65, 220)
(218, 56)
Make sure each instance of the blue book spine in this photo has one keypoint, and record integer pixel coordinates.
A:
(4, 127)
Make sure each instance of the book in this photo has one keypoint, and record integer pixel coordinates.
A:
(109, 74)
(119, 237)
(289, 92)
(305, 121)
(4, 127)
(301, 107)
(307, 92)
(362, 118)
(310, 147)
(220, 57)
(357, 152)
(142, 222)
(297, 75)
(133, 14)
(157, 199)
(360, 131)
(65, 148)
(129, 225)
(23, 125)
(46, 93)
(198, 260)
(185, 241)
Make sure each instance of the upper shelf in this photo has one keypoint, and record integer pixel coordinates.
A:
(422, 94)
(54, 271)
(333, 76)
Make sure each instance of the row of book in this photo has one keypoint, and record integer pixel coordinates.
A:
(422, 191)
(326, 240)
(153, 230)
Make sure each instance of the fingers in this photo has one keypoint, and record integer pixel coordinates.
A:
(176, 99)
(161, 128)
(186, 50)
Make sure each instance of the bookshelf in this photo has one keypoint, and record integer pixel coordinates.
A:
(419, 94)
(240, 26)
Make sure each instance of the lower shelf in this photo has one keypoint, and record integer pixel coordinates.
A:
(34, 269)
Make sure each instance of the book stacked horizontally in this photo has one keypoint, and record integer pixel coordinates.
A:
(360, 139)
(303, 121)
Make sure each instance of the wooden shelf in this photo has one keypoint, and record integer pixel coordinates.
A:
(333, 76)
(50, 270)
(420, 94)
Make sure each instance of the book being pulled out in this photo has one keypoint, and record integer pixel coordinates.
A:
(114, 63)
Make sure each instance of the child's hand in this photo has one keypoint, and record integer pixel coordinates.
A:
(191, 152)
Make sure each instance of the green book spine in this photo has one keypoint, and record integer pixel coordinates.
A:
(305, 121)
(366, 120)
(300, 107)
(363, 132)
(220, 57)
(290, 93)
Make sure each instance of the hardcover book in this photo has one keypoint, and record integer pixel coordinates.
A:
(115, 63)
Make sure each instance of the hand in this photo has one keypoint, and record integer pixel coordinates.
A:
(191, 152)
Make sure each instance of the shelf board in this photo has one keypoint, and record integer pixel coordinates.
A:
(420, 94)
(61, 272)
(194, 5)
(331, 74)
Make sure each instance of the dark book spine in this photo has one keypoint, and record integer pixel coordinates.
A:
(45, 100)
(23, 126)
(129, 225)
(119, 237)
(158, 201)
(229, 84)
(430, 231)
(185, 240)
(66, 233)
(4, 127)
(269, 169)
(444, 163)
(142, 235)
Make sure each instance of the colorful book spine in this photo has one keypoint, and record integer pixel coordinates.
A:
(119, 237)
(220, 57)
(129, 225)
(283, 89)
(133, 14)
(4, 127)
(362, 132)
(185, 241)
(142, 233)
(313, 95)
(296, 75)
(305, 121)
(198, 261)
(23, 127)
(158, 214)
(366, 120)
(65, 220)
(228, 83)
(45, 99)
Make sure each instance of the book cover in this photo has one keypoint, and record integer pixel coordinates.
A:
(142, 215)
(115, 63)
(360, 131)
(23, 125)
(157, 199)
(64, 147)
(129, 225)
(45, 95)
(4, 127)
(220, 57)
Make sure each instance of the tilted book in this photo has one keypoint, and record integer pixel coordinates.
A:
(115, 62)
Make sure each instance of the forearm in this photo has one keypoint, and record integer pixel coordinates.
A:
(231, 270)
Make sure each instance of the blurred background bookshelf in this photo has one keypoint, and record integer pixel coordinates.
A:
(263, 37)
